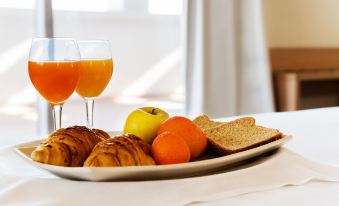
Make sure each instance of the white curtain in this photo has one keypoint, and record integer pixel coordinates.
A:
(226, 58)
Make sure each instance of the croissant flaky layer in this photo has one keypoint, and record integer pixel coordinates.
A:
(68, 146)
(122, 150)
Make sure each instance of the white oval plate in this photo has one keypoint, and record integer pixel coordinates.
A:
(148, 172)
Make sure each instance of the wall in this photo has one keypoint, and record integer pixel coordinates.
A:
(139, 43)
(302, 23)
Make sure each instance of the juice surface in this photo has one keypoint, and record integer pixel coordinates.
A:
(55, 81)
(94, 77)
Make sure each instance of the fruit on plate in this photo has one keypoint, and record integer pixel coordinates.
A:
(168, 148)
(185, 128)
(144, 122)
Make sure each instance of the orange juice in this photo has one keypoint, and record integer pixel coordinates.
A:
(55, 81)
(94, 77)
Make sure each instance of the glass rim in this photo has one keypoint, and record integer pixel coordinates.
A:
(54, 61)
(57, 38)
(94, 41)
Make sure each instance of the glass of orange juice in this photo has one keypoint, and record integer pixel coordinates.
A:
(54, 69)
(96, 68)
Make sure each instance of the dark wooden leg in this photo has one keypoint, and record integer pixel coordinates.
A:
(288, 91)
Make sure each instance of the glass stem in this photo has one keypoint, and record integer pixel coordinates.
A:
(89, 111)
(57, 110)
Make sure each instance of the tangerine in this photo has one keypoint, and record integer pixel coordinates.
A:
(168, 148)
(185, 128)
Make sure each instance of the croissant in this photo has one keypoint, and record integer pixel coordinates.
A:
(121, 150)
(68, 146)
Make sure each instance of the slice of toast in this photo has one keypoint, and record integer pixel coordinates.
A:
(204, 122)
(236, 136)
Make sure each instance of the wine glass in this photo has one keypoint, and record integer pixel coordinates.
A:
(96, 68)
(54, 68)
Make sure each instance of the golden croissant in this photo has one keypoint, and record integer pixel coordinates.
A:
(68, 146)
(122, 150)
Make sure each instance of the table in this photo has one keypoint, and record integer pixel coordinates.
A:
(293, 67)
(316, 136)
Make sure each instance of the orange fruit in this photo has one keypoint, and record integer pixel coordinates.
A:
(185, 128)
(169, 148)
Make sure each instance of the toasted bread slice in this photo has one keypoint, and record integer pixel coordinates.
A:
(204, 122)
(236, 136)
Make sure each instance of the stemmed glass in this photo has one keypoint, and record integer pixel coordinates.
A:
(96, 68)
(54, 68)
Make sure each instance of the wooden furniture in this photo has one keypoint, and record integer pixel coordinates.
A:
(292, 66)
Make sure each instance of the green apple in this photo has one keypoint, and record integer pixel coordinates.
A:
(144, 122)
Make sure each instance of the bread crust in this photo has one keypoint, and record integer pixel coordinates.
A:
(222, 135)
(68, 146)
(204, 122)
(224, 151)
(121, 150)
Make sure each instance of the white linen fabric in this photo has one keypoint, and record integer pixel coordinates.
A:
(23, 184)
(226, 59)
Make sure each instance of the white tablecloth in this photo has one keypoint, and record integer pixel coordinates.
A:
(316, 136)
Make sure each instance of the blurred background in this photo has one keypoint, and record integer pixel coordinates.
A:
(220, 57)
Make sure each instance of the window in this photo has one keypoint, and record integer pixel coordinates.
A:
(146, 47)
